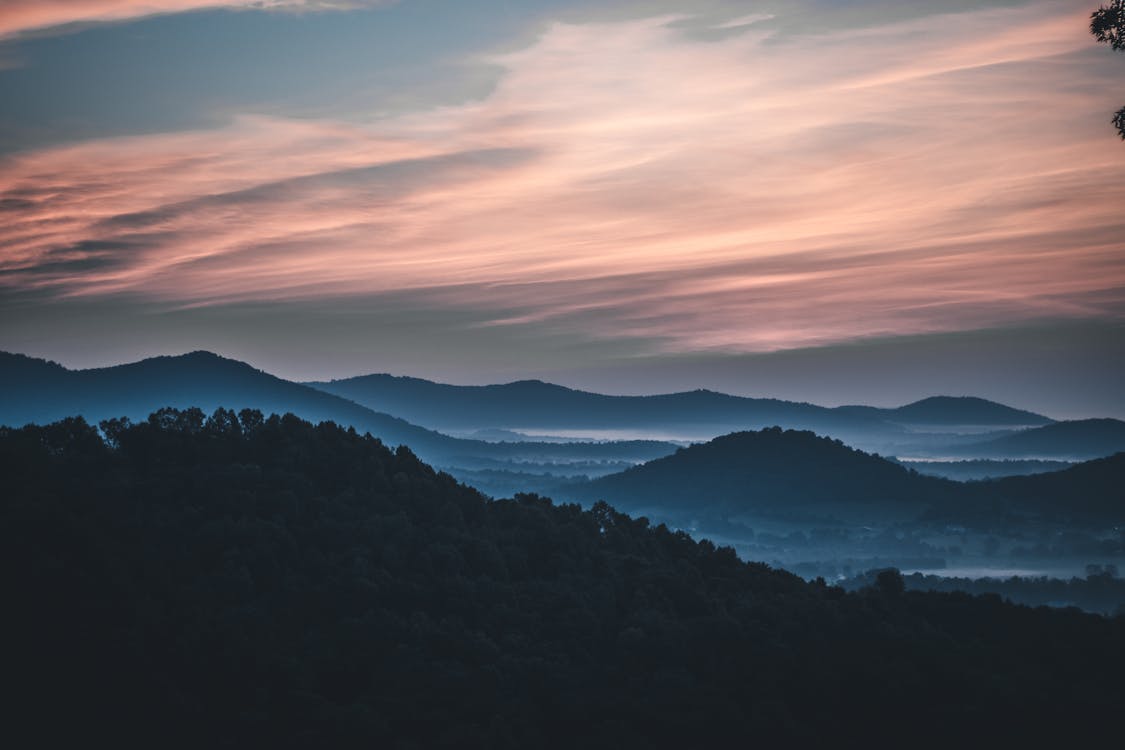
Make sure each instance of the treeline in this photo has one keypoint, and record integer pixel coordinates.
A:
(1102, 590)
(243, 581)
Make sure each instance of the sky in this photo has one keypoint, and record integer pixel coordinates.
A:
(836, 201)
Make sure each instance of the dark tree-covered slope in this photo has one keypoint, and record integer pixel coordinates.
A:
(240, 582)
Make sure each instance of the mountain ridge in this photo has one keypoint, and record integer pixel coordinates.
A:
(535, 404)
(772, 471)
(780, 473)
(1080, 439)
(36, 391)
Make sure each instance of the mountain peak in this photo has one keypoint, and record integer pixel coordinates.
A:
(197, 360)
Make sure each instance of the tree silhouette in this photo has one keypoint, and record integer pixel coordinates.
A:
(1107, 24)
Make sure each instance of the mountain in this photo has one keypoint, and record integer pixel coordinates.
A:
(961, 411)
(1072, 440)
(271, 583)
(535, 406)
(39, 391)
(1093, 489)
(798, 476)
(531, 404)
(771, 473)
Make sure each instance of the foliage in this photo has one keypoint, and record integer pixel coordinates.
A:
(1102, 590)
(1107, 24)
(237, 580)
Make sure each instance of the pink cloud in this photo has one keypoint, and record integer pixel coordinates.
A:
(18, 16)
(747, 194)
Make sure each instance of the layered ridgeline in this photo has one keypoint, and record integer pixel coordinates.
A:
(1077, 440)
(537, 407)
(33, 390)
(1030, 451)
(939, 426)
(818, 507)
(787, 474)
(266, 582)
(37, 391)
(793, 475)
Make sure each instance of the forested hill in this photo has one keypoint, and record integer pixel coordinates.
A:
(772, 472)
(250, 582)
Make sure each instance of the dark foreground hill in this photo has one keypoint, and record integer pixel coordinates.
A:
(240, 582)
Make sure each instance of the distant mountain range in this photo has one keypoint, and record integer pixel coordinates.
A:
(535, 405)
(35, 390)
(955, 411)
(966, 470)
(1077, 440)
(38, 391)
(935, 427)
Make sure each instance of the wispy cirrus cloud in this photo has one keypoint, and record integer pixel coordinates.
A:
(752, 193)
(18, 16)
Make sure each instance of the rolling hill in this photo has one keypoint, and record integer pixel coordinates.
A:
(771, 473)
(1093, 489)
(961, 411)
(39, 391)
(1079, 439)
(798, 475)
